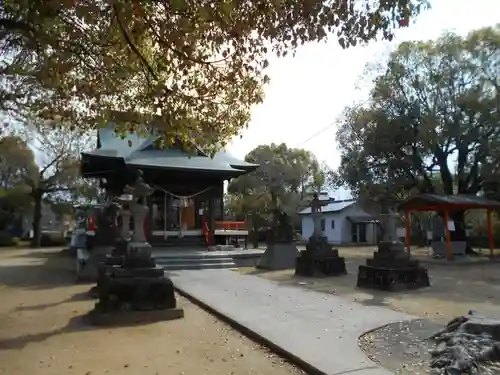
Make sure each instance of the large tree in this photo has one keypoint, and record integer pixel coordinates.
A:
(17, 165)
(431, 122)
(284, 178)
(57, 175)
(197, 64)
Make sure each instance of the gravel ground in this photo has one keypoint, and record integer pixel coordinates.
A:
(401, 347)
(404, 348)
(42, 333)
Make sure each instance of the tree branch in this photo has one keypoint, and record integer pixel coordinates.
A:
(131, 44)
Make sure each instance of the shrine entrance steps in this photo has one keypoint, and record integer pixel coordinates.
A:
(177, 242)
(172, 259)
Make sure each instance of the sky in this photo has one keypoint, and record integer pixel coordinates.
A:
(309, 91)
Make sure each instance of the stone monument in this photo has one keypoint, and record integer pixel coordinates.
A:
(392, 267)
(91, 254)
(281, 250)
(319, 258)
(130, 286)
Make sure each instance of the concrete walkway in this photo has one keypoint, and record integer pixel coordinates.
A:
(314, 328)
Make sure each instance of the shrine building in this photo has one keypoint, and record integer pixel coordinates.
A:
(187, 204)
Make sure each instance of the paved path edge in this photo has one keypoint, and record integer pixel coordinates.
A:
(262, 340)
(290, 357)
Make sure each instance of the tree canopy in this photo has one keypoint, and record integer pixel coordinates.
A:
(284, 180)
(196, 66)
(433, 112)
(431, 122)
(17, 166)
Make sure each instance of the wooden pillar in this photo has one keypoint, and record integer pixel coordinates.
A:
(490, 232)
(449, 253)
(407, 231)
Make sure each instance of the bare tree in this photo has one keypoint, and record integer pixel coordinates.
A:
(56, 150)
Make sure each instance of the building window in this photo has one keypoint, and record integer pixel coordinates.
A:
(332, 224)
(322, 223)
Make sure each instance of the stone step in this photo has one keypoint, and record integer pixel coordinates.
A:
(193, 259)
(196, 266)
(186, 241)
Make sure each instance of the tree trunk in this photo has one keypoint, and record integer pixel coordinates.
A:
(37, 218)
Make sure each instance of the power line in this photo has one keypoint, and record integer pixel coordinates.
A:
(318, 133)
(330, 125)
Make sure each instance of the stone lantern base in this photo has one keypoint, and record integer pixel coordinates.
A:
(392, 269)
(130, 282)
(319, 259)
(278, 256)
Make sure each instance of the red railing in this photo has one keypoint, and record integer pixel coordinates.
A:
(231, 225)
(220, 225)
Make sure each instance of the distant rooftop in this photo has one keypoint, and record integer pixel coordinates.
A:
(433, 202)
(334, 206)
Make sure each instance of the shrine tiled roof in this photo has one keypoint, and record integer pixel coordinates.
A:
(139, 151)
(334, 206)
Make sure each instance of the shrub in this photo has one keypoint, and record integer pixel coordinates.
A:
(7, 240)
(52, 239)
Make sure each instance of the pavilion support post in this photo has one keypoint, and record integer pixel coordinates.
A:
(407, 230)
(490, 231)
(449, 253)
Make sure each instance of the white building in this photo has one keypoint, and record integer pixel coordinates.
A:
(343, 222)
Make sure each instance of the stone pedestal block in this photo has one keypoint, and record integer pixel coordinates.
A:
(319, 259)
(392, 269)
(279, 256)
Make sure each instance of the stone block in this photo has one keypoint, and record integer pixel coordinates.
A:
(136, 293)
(390, 255)
(392, 279)
(279, 256)
(440, 249)
(391, 246)
(139, 260)
(114, 260)
(308, 266)
(392, 263)
(124, 272)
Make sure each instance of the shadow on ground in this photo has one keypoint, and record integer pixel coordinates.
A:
(82, 296)
(36, 269)
(43, 253)
(75, 324)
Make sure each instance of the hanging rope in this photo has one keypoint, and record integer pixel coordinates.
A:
(183, 196)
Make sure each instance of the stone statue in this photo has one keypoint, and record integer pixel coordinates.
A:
(282, 230)
(316, 217)
(138, 208)
(389, 226)
(281, 251)
(129, 278)
(124, 200)
(320, 258)
(112, 212)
